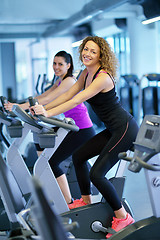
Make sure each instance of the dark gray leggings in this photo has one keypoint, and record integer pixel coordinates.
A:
(107, 146)
(71, 142)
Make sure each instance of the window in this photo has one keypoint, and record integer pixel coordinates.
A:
(120, 44)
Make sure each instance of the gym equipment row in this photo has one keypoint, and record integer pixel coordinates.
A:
(140, 96)
(51, 226)
(100, 210)
(44, 84)
(4, 143)
(128, 92)
(19, 169)
(149, 95)
(15, 160)
(30, 158)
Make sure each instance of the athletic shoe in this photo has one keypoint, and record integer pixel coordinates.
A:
(118, 224)
(77, 203)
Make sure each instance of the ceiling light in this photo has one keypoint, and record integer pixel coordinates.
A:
(151, 20)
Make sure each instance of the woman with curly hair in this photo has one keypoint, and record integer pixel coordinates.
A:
(96, 85)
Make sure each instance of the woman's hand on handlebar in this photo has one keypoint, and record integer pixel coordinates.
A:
(8, 106)
(38, 110)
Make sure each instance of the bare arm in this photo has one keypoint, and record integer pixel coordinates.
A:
(65, 96)
(8, 106)
(49, 95)
(77, 87)
(102, 83)
(56, 90)
(39, 109)
(44, 95)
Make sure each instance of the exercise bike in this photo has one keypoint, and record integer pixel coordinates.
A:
(66, 165)
(146, 155)
(18, 167)
(15, 174)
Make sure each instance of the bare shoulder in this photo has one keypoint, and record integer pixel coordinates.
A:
(84, 71)
(104, 81)
(83, 75)
(70, 79)
(67, 82)
(104, 74)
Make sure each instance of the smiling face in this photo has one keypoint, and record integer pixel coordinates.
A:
(91, 54)
(60, 66)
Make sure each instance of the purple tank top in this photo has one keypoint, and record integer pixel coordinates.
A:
(80, 115)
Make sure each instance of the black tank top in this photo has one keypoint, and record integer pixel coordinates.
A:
(108, 108)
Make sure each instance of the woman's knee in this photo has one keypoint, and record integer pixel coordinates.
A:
(94, 175)
(57, 171)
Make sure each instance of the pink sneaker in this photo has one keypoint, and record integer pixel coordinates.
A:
(118, 224)
(77, 203)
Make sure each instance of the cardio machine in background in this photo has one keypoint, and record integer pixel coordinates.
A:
(4, 141)
(43, 84)
(128, 92)
(149, 94)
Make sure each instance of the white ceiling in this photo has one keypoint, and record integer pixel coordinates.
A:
(33, 18)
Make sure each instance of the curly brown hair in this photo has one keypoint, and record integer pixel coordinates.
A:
(109, 61)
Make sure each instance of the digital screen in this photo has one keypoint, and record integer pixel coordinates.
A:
(149, 134)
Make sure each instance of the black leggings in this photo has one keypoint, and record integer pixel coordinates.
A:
(71, 142)
(107, 145)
